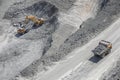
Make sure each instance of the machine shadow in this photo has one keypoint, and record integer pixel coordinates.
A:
(18, 35)
(36, 26)
(95, 59)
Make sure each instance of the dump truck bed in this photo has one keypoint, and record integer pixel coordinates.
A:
(99, 49)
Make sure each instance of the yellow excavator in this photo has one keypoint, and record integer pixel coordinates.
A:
(35, 20)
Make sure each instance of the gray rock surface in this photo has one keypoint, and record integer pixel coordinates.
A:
(114, 74)
(41, 33)
(106, 15)
(17, 13)
(49, 9)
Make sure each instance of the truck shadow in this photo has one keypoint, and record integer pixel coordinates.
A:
(18, 35)
(95, 59)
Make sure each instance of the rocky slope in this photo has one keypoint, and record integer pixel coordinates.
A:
(48, 10)
(32, 45)
(56, 38)
(114, 73)
(106, 15)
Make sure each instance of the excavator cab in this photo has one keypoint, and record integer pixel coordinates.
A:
(40, 21)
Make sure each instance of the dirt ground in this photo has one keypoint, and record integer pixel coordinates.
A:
(69, 24)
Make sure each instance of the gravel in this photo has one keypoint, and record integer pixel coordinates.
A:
(114, 73)
(18, 11)
(107, 13)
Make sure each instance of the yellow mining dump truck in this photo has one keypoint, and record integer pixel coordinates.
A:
(103, 49)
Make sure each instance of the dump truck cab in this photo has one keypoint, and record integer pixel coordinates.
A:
(103, 48)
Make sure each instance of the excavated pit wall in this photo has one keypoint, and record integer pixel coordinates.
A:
(57, 40)
(42, 8)
(31, 70)
(113, 74)
(92, 27)
(107, 14)
(71, 20)
(74, 39)
(42, 33)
